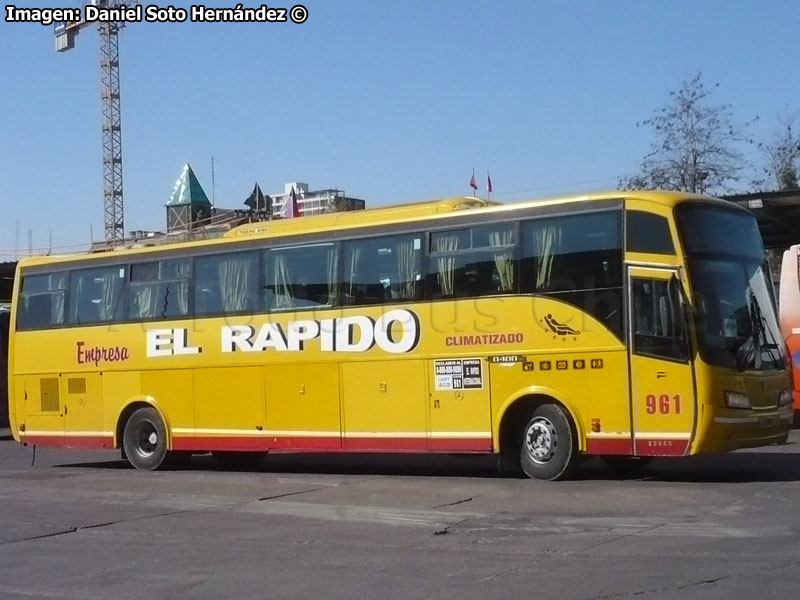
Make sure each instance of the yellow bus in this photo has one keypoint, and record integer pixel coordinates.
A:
(626, 324)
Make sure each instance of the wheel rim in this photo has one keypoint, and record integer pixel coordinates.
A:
(146, 436)
(541, 440)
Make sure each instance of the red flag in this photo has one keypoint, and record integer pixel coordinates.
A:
(472, 183)
(488, 182)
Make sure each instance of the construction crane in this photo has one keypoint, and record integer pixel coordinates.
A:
(110, 95)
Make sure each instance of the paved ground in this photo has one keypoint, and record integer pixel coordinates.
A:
(82, 525)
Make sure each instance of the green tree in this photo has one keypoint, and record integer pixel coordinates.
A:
(694, 147)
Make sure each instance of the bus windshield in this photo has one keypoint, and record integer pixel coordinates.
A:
(734, 309)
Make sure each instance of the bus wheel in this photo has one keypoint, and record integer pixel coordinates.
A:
(145, 439)
(548, 445)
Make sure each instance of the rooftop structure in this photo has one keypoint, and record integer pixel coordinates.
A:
(315, 202)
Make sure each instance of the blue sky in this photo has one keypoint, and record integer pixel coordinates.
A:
(390, 101)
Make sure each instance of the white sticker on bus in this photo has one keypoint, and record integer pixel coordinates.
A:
(458, 374)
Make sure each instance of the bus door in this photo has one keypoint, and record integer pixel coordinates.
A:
(662, 379)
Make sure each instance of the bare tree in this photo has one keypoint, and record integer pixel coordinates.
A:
(694, 145)
(783, 154)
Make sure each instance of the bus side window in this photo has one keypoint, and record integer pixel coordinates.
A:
(474, 262)
(95, 295)
(382, 270)
(42, 301)
(227, 284)
(301, 276)
(159, 290)
(658, 323)
(647, 232)
(576, 259)
(573, 252)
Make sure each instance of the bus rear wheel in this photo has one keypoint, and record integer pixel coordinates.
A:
(547, 449)
(144, 439)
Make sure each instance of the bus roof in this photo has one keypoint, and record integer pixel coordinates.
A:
(394, 214)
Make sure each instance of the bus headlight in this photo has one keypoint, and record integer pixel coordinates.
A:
(785, 397)
(737, 400)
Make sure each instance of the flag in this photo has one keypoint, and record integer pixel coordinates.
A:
(290, 209)
(488, 182)
(472, 183)
(258, 201)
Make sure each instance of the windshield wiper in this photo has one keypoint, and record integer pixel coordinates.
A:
(760, 328)
(745, 353)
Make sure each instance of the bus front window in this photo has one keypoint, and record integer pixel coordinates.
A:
(735, 314)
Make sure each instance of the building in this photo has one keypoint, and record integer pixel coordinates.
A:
(777, 213)
(315, 202)
(190, 214)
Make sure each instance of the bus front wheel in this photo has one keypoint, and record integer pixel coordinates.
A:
(547, 449)
(144, 439)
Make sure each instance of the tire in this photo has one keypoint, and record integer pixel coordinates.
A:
(547, 447)
(144, 439)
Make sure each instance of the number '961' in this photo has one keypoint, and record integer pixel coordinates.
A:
(663, 404)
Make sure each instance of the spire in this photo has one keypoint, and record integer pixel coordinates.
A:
(188, 190)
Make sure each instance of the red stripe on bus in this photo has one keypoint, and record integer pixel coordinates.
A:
(336, 444)
(398, 444)
(461, 444)
(608, 446)
(254, 443)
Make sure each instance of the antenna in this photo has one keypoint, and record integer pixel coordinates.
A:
(213, 184)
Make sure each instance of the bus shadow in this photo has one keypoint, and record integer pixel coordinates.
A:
(739, 467)
(425, 465)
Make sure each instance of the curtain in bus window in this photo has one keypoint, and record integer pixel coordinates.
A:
(80, 307)
(406, 271)
(160, 289)
(236, 278)
(143, 300)
(332, 282)
(546, 243)
(444, 242)
(353, 265)
(283, 297)
(177, 291)
(111, 282)
(58, 281)
(503, 259)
